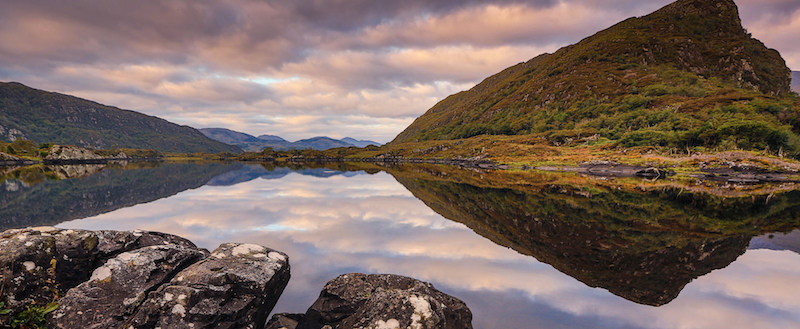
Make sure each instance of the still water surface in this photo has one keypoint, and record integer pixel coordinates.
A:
(538, 262)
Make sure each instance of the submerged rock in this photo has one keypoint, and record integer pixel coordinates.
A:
(235, 287)
(379, 301)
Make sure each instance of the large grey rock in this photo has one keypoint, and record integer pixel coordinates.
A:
(62, 153)
(235, 287)
(139, 279)
(116, 289)
(381, 301)
(37, 262)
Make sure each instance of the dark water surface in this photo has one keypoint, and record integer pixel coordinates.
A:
(523, 250)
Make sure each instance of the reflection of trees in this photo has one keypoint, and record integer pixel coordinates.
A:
(33, 196)
(644, 246)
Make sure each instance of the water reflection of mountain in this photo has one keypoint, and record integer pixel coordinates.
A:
(31, 197)
(644, 246)
(268, 171)
(777, 241)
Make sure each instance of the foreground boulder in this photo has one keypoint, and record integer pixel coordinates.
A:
(37, 261)
(116, 289)
(379, 301)
(111, 279)
(236, 287)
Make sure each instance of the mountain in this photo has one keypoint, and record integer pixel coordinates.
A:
(320, 143)
(359, 143)
(796, 81)
(242, 140)
(271, 138)
(228, 136)
(256, 144)
(47, 117)
(685, 75)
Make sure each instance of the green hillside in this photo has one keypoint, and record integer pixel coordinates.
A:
(686, 75)
(47, 117)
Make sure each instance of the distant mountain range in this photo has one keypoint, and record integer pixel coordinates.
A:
(251, 172)
(48, 117)
(796, 81)
(256, 144)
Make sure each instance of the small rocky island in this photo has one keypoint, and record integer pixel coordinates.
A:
(137, 279)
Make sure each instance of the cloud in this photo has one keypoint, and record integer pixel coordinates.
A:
(776, 23)
(260, 65)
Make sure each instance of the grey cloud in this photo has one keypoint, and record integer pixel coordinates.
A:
(345, 49)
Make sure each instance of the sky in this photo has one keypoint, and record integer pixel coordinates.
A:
(304, 68)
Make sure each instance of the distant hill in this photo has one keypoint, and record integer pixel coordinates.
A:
(796, 81)
(256, 144)
(244, 141)
(271, 138)
(48, 117)
(320, 143)
(686, 75)
(359, 143)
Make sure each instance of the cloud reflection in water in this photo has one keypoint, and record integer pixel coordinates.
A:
(371, 223)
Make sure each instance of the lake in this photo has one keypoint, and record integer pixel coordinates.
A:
(522, 249)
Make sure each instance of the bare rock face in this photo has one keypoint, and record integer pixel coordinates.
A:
(37, 261)
(235, 287)
(380, 301)
(66, 153)
(116, 289)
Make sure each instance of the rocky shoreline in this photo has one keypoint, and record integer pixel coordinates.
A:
(137, 279)
(69, 155)
(737, 175)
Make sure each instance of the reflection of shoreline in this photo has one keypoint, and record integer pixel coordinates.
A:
(372, 224)
(36, 196)
(642, 246)
(75, 171)
(777, 241)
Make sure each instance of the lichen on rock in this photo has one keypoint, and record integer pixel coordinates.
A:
(379, 301)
